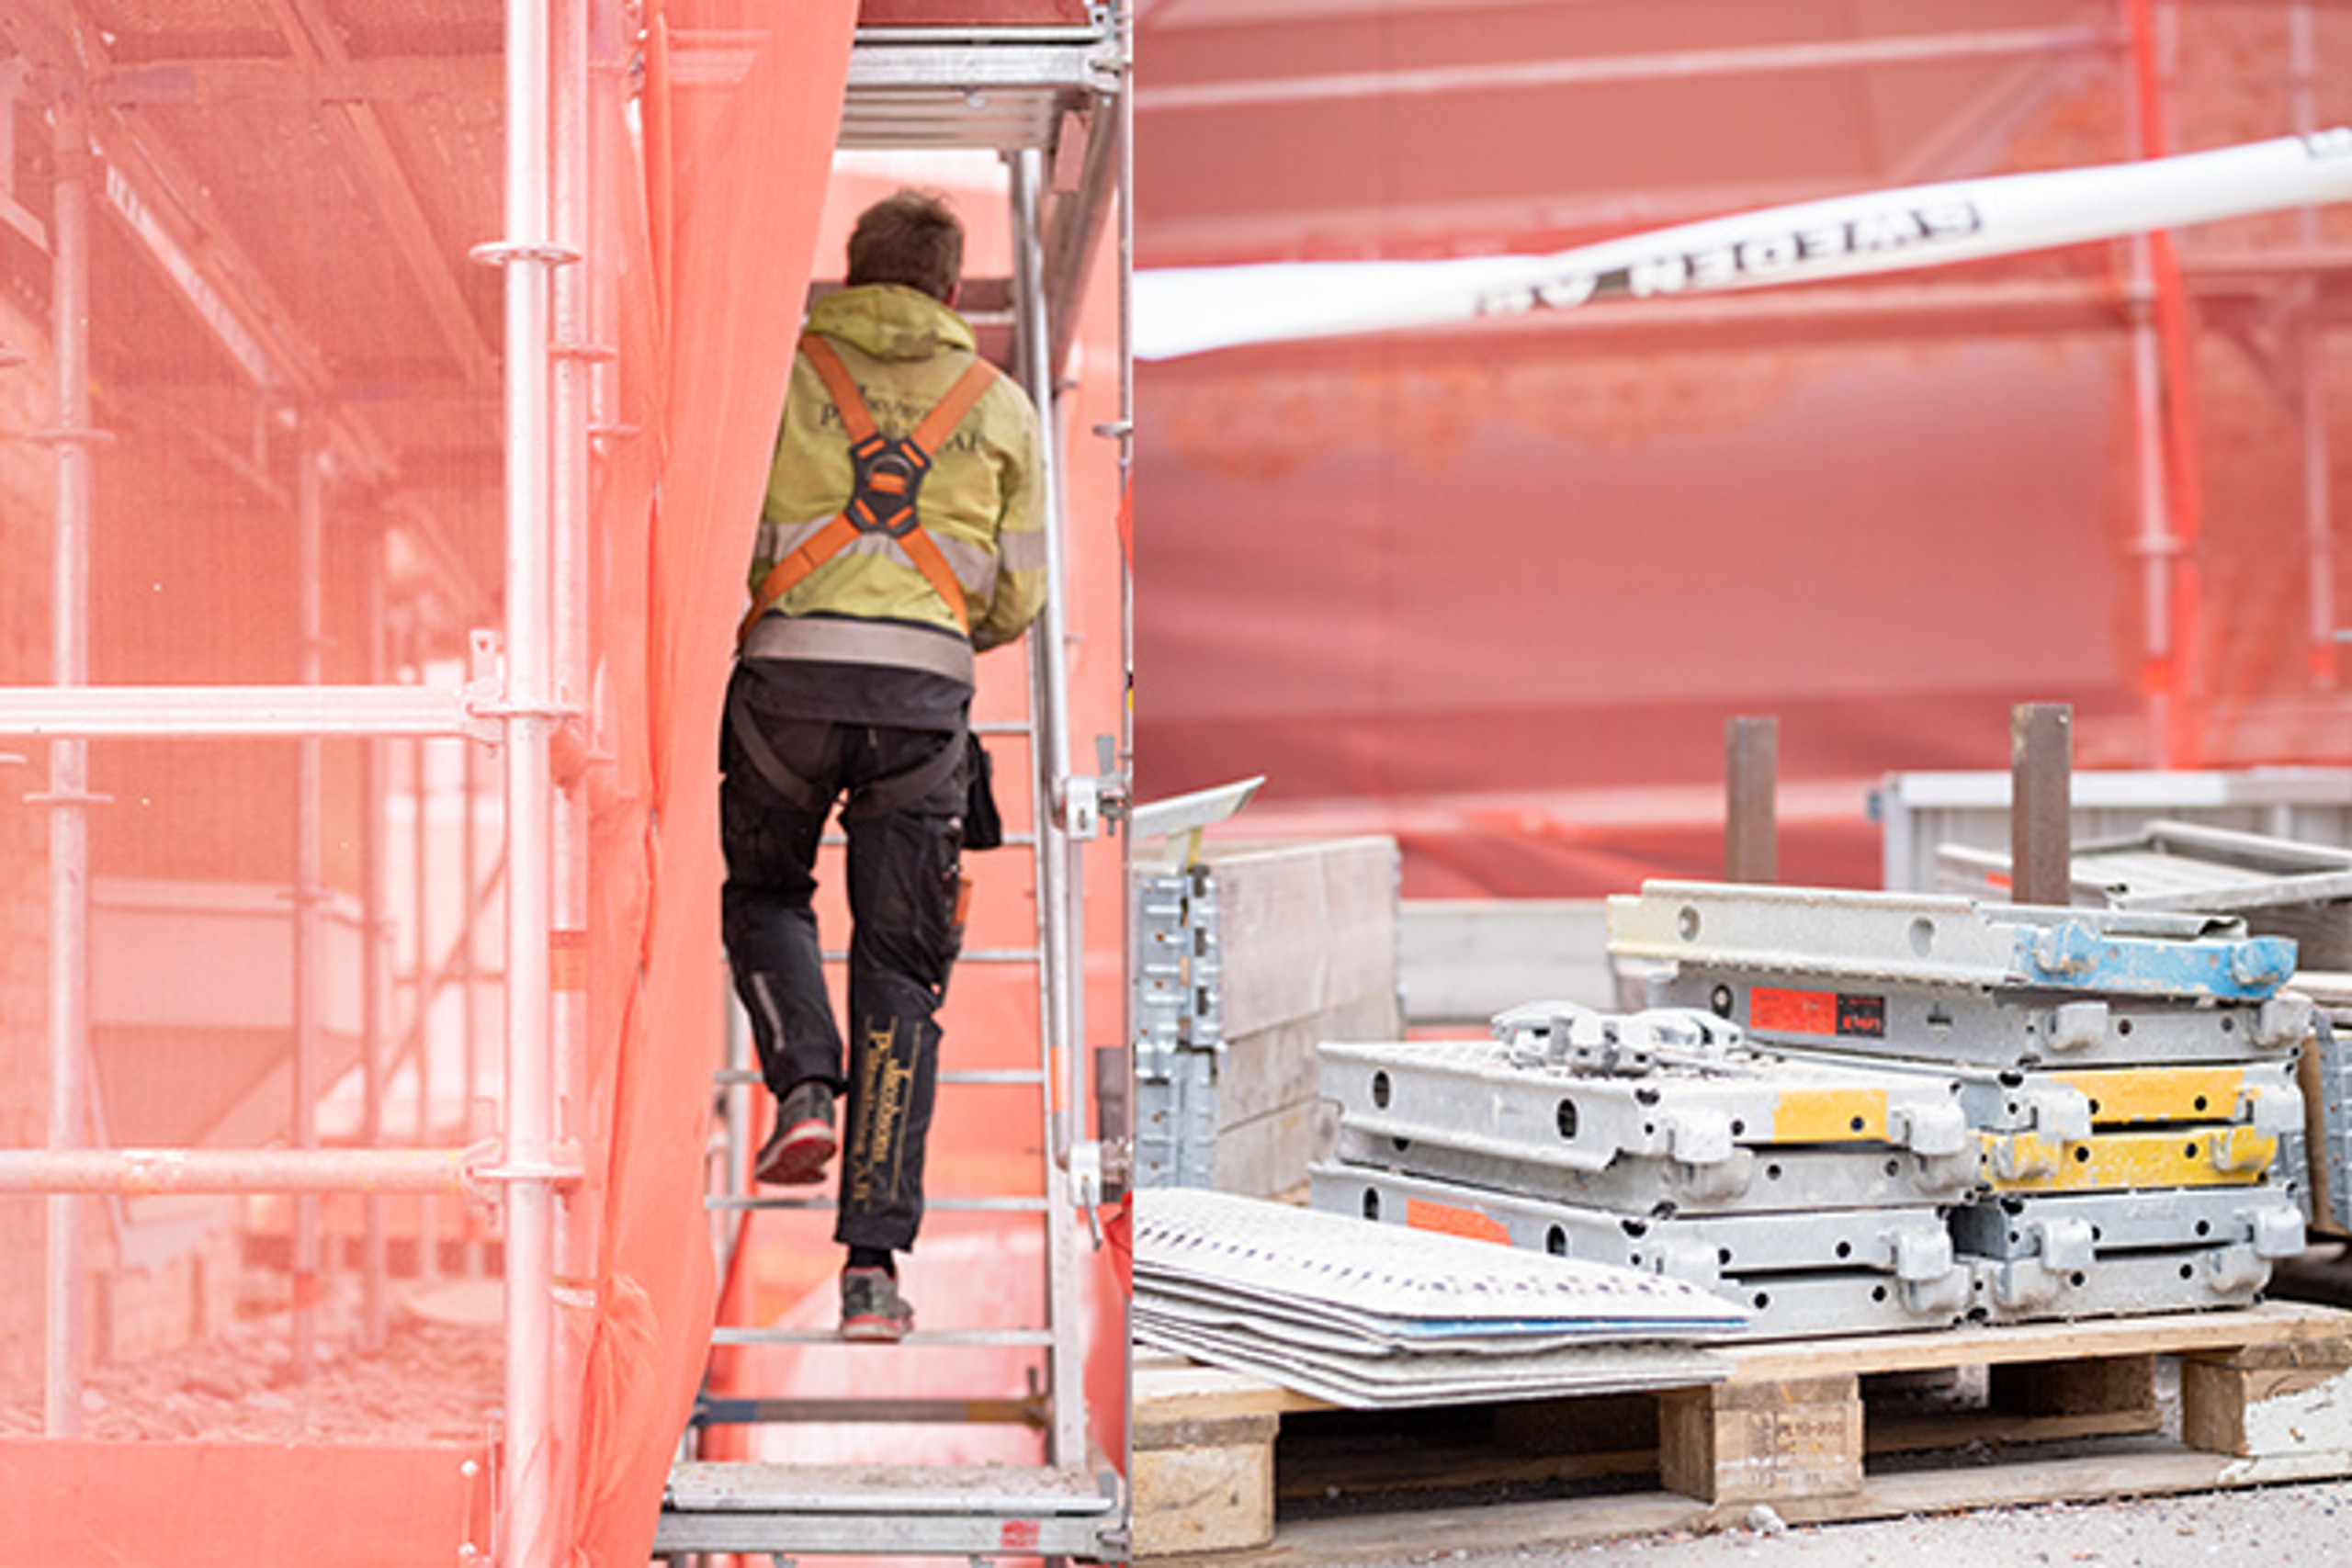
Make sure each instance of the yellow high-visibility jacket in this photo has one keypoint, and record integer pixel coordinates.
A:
(978, 501)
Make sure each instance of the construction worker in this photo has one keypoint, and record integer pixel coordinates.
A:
(900, 532)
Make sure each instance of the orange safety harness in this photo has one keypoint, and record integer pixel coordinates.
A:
(888, 479)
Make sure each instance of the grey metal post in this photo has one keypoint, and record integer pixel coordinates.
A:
(309, 893)
(2041, 754)
(1061, 891)
(1751, 827)
(68, 795)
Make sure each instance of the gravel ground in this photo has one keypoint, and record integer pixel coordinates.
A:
(2302, 1526)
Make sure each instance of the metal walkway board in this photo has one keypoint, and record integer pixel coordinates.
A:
(1925, 1022)
(2181, 1156)
(2024, 1290)
(1946, 940)
(973, 1511)
(1478, 1096)
(1751, 1181)
(713, 1486)
(2070, 1103)
(1423, 1286)
(2075, 1230)
(1834, 1271)
(1909, 1242)
(1608, 1368)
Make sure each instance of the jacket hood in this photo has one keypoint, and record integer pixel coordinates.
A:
(888, 321)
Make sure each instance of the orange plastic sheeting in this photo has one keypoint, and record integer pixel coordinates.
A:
(203, 1503)
(1463, 574)
(712, 290)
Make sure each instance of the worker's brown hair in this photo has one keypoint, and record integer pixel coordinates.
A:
(912, 239)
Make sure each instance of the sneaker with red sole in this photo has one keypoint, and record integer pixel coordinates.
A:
(872, 1308)
(803, 1143)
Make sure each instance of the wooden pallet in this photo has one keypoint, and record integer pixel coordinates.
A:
(2264, 1396)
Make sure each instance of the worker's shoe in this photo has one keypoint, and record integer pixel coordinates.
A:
(797, 1152)
(872, 1307)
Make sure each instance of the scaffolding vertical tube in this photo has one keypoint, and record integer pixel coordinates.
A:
(428, 1218)
(2155, 543)
(568, 655)
(568, 561)
(68, 796)
(526, 1537)
(1059, 907)
(308, 894)
(2319, 523)
(375, 1246)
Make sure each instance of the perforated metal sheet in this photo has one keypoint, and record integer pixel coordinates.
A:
(1436, 1378)
(1415, 1286)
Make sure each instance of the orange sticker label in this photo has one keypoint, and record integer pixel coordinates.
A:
(1423, 1215)
(1798, 1013)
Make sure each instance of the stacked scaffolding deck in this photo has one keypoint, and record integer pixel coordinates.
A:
(1831, 1271)
(2131, 1080)
(1942, 980)
(1808, 1192)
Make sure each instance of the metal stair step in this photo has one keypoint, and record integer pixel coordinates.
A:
(919, 1339)
(728, 1077)
(1007, 1204)
(944, 1510)
(1025, 1410)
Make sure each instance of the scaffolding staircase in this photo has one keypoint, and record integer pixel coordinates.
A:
(1049, 100)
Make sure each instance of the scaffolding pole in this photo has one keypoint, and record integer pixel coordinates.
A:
(308, 929)
(575, 356)
(68, 797)
(2318, 524)
(527, 1533)
(1060, 909)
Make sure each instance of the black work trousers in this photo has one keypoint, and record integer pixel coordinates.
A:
(904, 882)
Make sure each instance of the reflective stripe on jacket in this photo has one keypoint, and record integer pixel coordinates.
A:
(979, 501)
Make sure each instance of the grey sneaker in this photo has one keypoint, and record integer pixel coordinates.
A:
(872, 1307)
(797, 1152)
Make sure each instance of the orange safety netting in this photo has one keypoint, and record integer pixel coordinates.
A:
(715, 277)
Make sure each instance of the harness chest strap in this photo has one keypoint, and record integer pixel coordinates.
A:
(865, 512)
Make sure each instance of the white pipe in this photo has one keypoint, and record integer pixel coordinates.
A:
(69, 841)
(526, 1530)
(1181, 311)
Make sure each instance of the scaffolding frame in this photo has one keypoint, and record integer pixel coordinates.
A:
(531, 1167)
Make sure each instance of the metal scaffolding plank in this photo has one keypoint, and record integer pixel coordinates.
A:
(1938, 1022)
(1482, 1097)
(1751, 1181)
(1943, 940)
(2074, 1230)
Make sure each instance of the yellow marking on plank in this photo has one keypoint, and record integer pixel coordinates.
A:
(2126, 1096)
(2185, 1157)
(1829, 1116)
